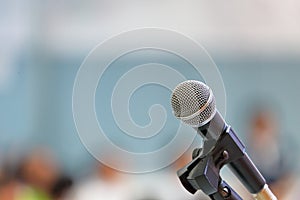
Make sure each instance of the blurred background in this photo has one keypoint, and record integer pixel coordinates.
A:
(255, 44)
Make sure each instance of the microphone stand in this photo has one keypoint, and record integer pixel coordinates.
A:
(203, 172)
(201, 175)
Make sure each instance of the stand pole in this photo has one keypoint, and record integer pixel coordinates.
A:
(265, 194)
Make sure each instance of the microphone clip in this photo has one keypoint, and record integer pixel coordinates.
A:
(203, 172)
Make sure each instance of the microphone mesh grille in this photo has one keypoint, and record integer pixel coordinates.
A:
(188, 98)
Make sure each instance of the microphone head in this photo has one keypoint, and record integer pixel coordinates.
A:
(194, 103)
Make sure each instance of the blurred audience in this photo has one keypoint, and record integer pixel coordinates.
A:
(8, 184)
(107, 183)
(37, 178)
(103, 183)
(61, 188)
(39, 171)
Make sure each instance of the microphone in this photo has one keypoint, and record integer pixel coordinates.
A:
(194, 104)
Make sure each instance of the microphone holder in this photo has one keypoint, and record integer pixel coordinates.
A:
(203, 172)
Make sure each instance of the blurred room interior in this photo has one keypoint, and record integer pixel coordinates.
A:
(255, 45)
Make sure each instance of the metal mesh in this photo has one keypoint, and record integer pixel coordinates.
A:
(188, 98)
